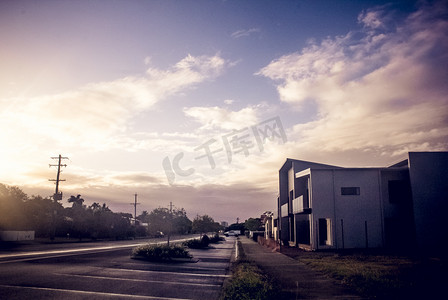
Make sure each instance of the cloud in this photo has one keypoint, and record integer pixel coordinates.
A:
(385, 91)
(89, 115)
(221, 118)
(372, 18)
(244, 32)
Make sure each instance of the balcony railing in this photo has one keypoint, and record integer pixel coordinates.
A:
(300, 206)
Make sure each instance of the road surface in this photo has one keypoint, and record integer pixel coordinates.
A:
(106, 271)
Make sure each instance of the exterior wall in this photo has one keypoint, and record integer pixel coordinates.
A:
(361, 214)
(398, 227)
(287, 182)
(429, 180)
(282, 200)
(356, 220)
(322, 203)
(291, 176)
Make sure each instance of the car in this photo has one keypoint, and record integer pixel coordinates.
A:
(232, 233)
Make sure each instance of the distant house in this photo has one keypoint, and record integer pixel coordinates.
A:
(329, 207)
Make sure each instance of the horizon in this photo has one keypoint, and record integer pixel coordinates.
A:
(199, 103)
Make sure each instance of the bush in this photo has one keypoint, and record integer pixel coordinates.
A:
(216, 239)
(197, 243)
(205, 240)
(160, 252)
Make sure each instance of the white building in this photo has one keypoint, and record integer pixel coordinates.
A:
(329, 207)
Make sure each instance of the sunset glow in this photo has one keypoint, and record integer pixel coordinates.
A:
(123, 88)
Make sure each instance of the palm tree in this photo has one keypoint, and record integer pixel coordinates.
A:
(76, 201)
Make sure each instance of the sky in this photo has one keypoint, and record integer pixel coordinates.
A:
(199, 103)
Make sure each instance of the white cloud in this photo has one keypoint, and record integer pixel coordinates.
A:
(221, 118)
(244, 32)
(371, 18)
(385, 91)
(89, 115)
(94, 117)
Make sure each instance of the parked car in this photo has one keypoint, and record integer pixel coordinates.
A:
(232, 233)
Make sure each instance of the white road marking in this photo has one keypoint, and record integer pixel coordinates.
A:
(174, 266)
(168, 272)
(137, 280)
(89, 293)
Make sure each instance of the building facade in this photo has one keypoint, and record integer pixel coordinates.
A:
(329, 207)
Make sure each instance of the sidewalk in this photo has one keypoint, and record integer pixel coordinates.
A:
(297, 280)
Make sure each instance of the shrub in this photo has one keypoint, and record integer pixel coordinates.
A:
(205, 240)
(197, 243)
(193, 244)
(216, 239)
(160, 252)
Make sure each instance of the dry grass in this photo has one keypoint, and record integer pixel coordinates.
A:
(382, 276)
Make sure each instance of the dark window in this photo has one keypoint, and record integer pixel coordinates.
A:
(350, 190)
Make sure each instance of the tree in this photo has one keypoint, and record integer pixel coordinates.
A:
(40, 212)
(236, 226)
(159, 220)
(204, 224)
(143, 217)
(12, 202)
(253, 224)
(76, 201)
(181, 223)
(82, 218)
(103, 221)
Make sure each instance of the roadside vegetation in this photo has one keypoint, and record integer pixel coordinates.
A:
(248, 281)
(50, 219)
(204, 242)
(201, 243)
(160, 253)
(381, 275)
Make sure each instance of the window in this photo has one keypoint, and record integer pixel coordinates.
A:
(350, 190)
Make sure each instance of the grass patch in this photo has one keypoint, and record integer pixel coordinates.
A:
(160, 252)
(248, 282)
(382, 276)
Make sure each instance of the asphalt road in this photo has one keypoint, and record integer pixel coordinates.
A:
(106, 271)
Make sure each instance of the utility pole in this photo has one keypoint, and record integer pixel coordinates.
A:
(135, 208)
(57, 195)
(170, 225)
